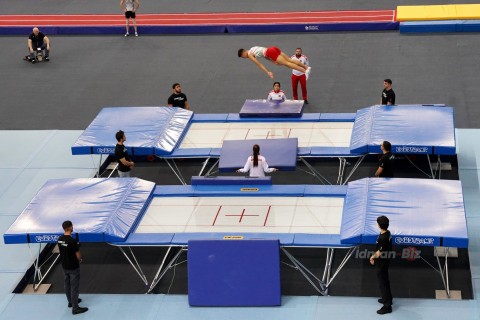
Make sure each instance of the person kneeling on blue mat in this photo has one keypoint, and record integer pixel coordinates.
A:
(38, 47)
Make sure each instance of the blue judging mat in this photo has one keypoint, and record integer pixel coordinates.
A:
(265, 108)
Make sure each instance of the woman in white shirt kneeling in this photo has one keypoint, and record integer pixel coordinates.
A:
(256, 164)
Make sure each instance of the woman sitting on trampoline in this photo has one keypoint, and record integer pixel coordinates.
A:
(275, 55)
(256, 164)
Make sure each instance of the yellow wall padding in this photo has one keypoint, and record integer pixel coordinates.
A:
(439, 12)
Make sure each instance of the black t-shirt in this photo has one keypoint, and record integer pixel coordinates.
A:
(177, 100)
(68, 252)
(386, 162)
(120, 153)
(384, 245)
(388, 96)
(37, 40)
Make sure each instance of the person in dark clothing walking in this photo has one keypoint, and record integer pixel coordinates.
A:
(71, 258)
(381, 259)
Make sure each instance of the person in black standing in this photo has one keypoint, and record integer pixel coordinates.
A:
(388, 95)
(385, 170)
(178, 99)
(37, 40)
(71, 258)
(125, 164)
(381, 259)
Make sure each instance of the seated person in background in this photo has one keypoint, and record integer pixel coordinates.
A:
(385, 170)
(37, 41)
(256, 164)
(276, 95)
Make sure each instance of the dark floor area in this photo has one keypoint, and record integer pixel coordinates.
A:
(106, 270)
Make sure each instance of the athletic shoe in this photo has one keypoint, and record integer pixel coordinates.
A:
(136, 34)
(46, 59)
(384, 310)
(79, 310)
(33, 60)
(307, 73)
(305, 101)
(70, 305)
(127, 34)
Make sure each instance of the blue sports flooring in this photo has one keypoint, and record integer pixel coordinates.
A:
(42, 155)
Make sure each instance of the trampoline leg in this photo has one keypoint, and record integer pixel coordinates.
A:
(357, 164)
(341, 170)
(176, 171)
(430, 166)
(204, 165)
(342, 264)
(444, 271)
(160, 273)
(136, 265)
(212, 167)
(38, 272)
(315, 172)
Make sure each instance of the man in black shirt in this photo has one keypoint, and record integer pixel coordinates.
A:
(38, 40)
(71, 259)
(178, 99)
(385, 170)
(388, 96)
(125, 164)
(381, 258)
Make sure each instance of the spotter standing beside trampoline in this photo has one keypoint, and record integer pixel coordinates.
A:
(256, 164)
(125, 164)
(275, 55)
(130, 8)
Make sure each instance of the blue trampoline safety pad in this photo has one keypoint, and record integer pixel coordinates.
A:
(411, 129)
(279, 153)
(102, 210)
(422, 212)
(234, 273)
(266, 108)
(149, 130)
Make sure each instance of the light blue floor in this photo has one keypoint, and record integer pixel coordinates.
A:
(41, 158)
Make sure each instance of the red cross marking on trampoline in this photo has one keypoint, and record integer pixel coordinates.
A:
(241, 215)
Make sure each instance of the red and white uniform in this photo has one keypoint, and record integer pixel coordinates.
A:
(258, 171)
(276, 96)
(257, 52)
(298, 76)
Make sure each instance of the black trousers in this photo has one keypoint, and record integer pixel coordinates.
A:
(384, 281)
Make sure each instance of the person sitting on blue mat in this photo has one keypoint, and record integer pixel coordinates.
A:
(276, 95)
(275, 55)
(257, 165)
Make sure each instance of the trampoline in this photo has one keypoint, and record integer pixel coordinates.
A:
(172, 133)
(130, 212)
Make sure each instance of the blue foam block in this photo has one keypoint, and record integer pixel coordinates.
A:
(234, 273)
(265, 108)
(279, 153)
(223, 180)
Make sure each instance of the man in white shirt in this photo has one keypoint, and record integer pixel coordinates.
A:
(298, 76)
(130, 7)
(276, 95)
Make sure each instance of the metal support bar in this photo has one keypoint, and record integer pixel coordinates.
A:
(212, 167)
(38, 275)
(136, 265)
(175, 170)
(327, 279)
(204, 165)
(160, 273)
(357, 164)
(315, 173)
